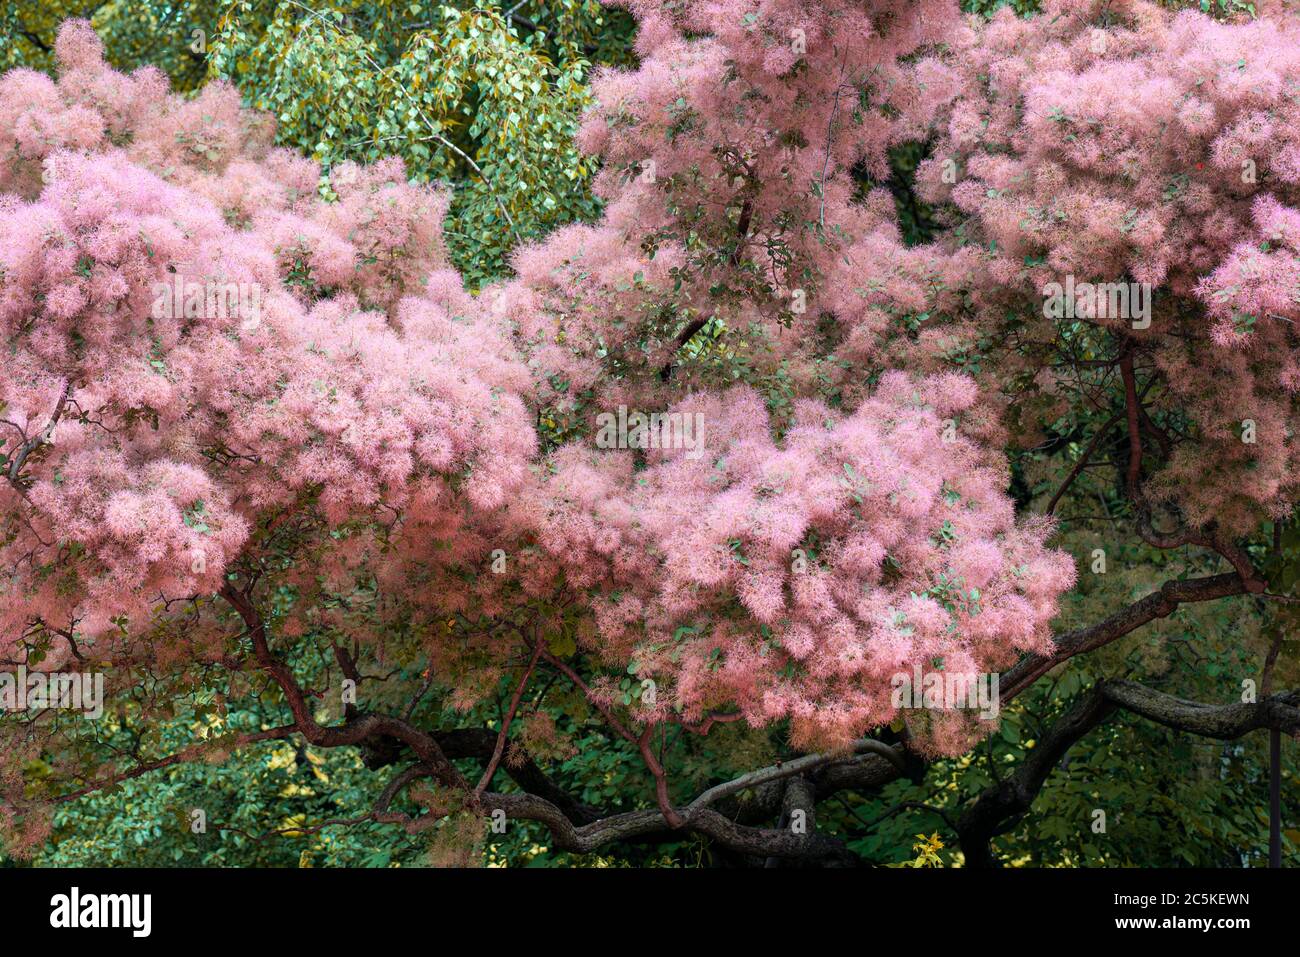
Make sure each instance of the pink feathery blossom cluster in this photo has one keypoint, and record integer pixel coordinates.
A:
(730, 162)
(1122, 142)
(803, 553)
(795, 579)
(152, 442)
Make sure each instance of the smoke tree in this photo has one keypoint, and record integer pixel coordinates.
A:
(735, 454)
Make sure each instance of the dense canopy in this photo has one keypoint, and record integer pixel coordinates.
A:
(267, 451)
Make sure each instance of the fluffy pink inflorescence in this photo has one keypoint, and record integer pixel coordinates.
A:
(1123, 142)
(796, 579)
(148, 436)
(814, 547)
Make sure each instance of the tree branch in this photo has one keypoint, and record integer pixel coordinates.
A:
(1000, 806)
(1159, 604)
